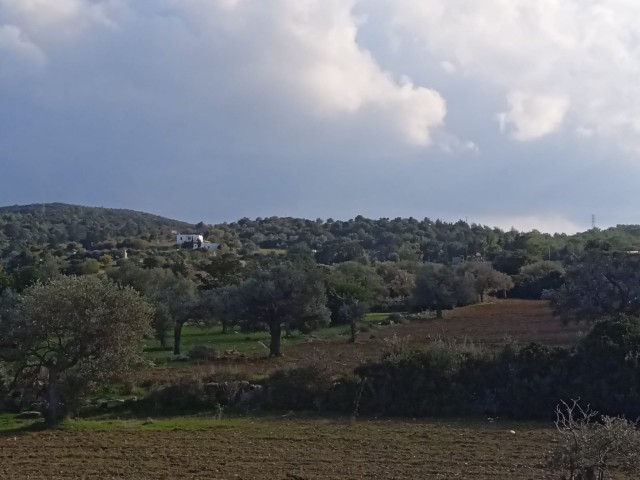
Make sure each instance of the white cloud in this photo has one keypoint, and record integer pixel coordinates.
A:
(533, 116)
(576, 61)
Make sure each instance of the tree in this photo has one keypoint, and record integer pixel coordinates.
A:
(285, 294)
(398, 281)
(222, 303)
(90, 266)
(534, 279)
(601, 285)
(439, 287)
(220, 271)
(175, 298)
(353, 312)
(348, 300)
(73, 334)
(6, 281)
(486, 279)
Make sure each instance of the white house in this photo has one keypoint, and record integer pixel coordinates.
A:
(197, 241)
(188, 238)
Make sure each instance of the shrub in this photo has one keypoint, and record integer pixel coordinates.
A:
(587, 449)
(606, 367)
(203, 352)
(188, 395)
(299, 388)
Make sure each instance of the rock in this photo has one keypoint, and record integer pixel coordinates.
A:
(115, 403)
(178, 358)
(29, 415)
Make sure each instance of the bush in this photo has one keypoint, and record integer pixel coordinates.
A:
(395, 319)
(416, 383)
(186, 396)
(203, 352)
(587, 449)
(605, 370)
(299, 388)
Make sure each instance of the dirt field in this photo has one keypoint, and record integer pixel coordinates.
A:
(487, 325)
(279, 449)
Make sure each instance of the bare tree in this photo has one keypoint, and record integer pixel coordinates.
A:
(588, 448)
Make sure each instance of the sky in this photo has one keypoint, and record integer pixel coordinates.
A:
(510, 113)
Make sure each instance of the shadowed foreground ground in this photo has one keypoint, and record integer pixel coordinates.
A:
(276, 448)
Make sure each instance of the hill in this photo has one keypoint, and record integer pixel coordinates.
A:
(331, 241)
(57, 223)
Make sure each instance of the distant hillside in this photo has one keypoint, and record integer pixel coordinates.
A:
(384, 239)
(56, 223)
(332, 241)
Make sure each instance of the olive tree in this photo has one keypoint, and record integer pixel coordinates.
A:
(289, 295)
(175, 298)
(486, 279)
(601, 285)
(71, 335)
(439, 287)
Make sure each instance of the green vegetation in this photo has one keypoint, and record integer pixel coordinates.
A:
(82, 290)
(250, 343)
(65, 338)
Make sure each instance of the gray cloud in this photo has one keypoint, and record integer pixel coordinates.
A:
(487, 110)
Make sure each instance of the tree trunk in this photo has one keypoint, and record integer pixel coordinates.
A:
(353, 326)
(177, 337)
(482, 297)
(224, 327)
(274, 345)
(53, 411)
(439, 313)
(162, 338)
(287, 329)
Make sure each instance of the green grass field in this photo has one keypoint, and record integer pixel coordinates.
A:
(251, 344)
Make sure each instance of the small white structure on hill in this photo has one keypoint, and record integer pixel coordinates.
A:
(197, 241)
(188, 238)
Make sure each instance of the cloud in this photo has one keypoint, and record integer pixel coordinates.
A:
(533, 116)
(299, 59)
(557, 62)
(322, 107)
(15, 46)
(47, 21)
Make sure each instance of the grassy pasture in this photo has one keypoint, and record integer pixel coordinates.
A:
(252, 343)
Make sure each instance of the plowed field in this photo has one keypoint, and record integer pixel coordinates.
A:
(279, 449)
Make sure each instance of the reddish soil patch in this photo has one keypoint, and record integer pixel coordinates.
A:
(491, 323)
(488, 325)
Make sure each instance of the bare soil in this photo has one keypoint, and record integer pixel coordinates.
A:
(282, 449)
